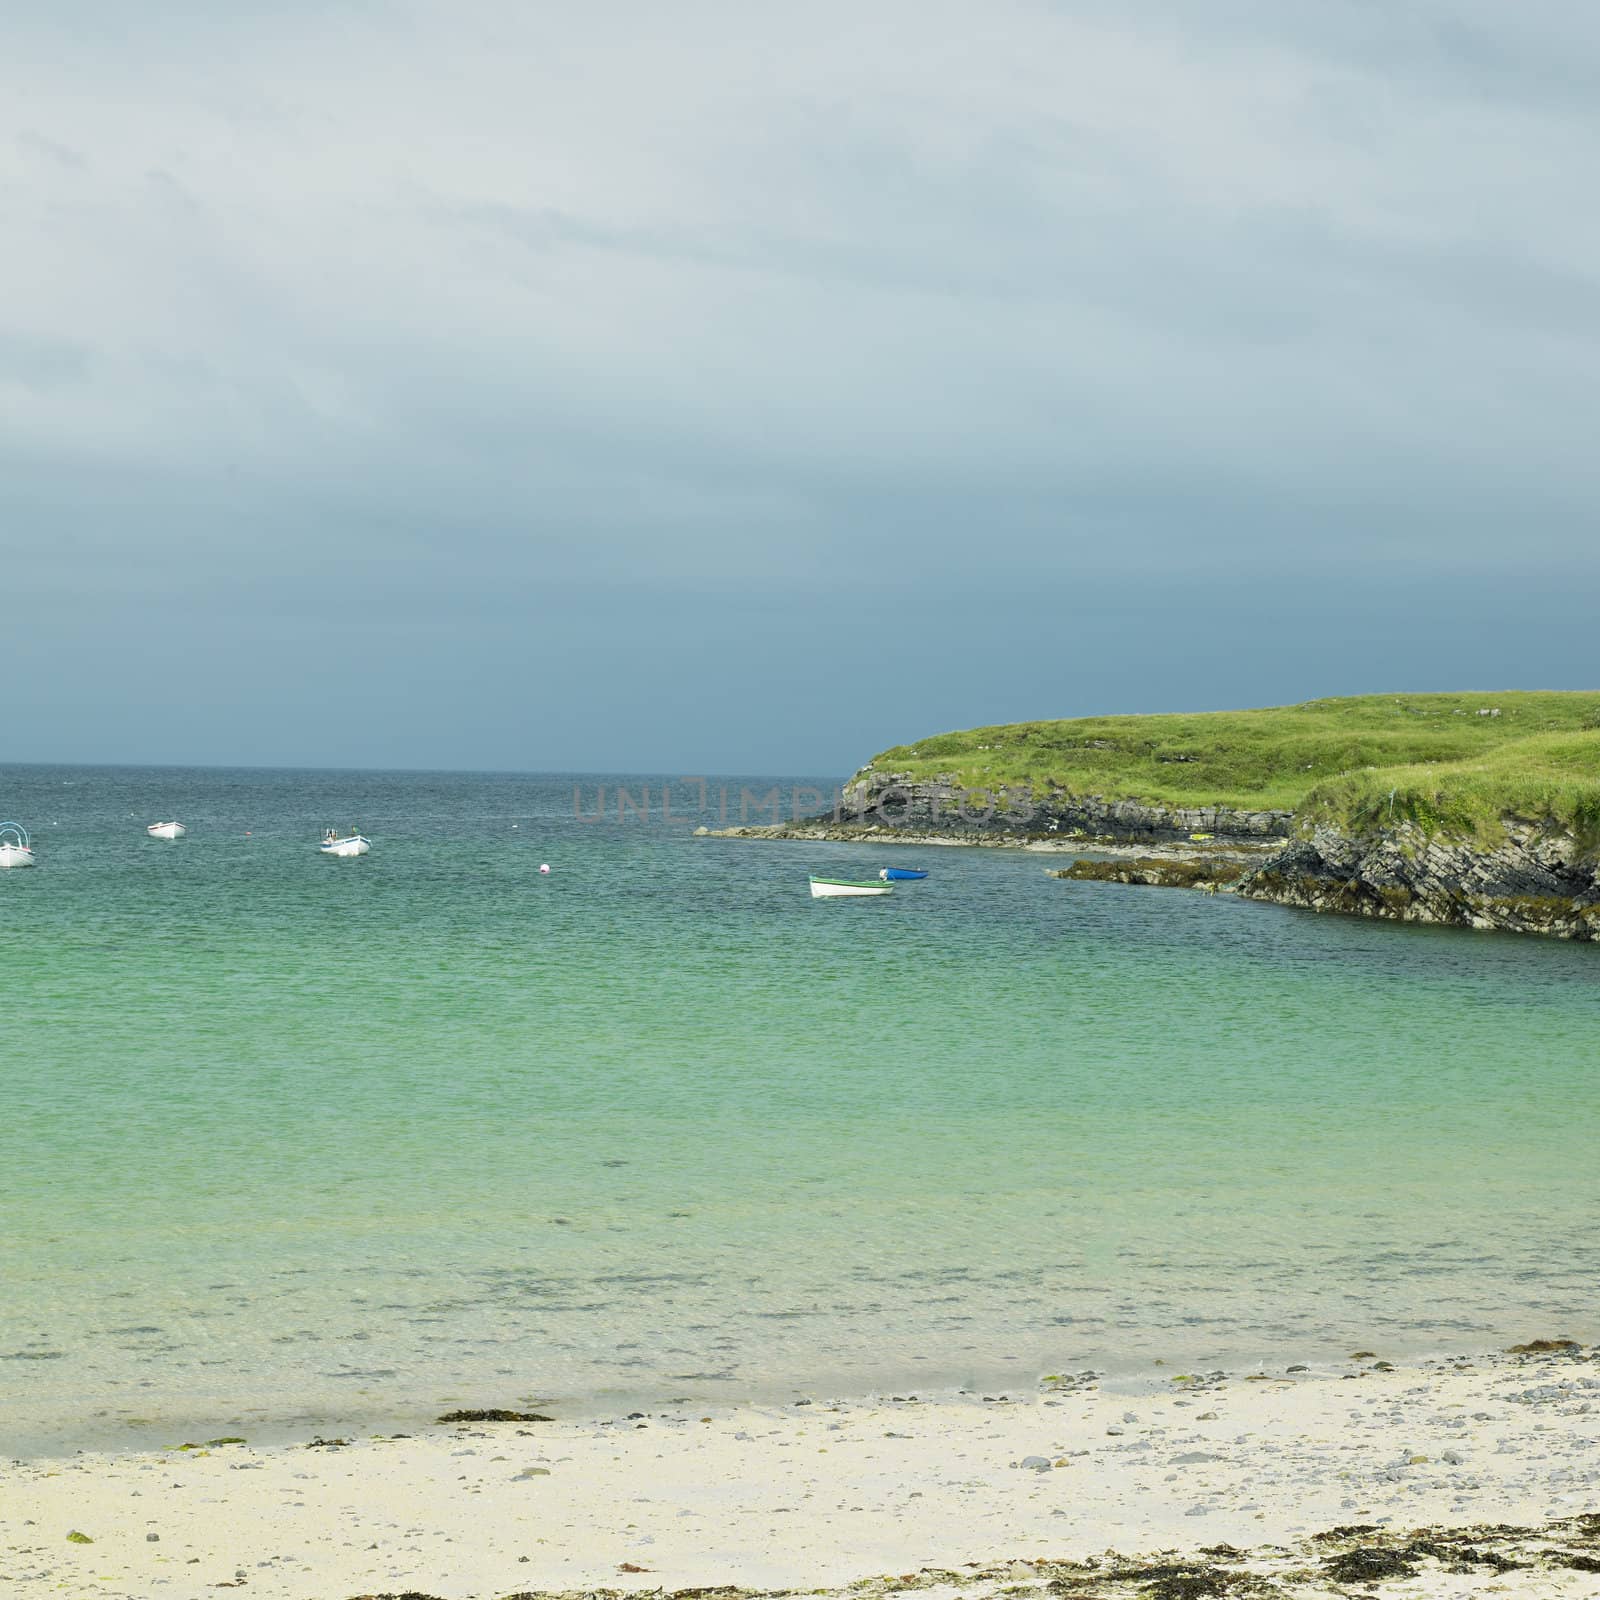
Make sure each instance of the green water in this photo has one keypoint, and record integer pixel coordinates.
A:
(292, 1138)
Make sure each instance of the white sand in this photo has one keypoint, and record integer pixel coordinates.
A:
(819, 1495)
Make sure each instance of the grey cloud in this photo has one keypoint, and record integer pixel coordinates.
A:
(36, 147)
(40, 363)
(387, 316)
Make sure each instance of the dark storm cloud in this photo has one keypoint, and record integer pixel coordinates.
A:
(378, 326)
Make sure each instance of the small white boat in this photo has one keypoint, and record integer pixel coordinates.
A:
(166, 830)
(350, 844)
(837, 888)
(15, 851)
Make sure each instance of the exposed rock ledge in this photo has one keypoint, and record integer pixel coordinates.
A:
(1160, 872)
(944, 807)
(824, 831)
(1540, 880)
(880, 806)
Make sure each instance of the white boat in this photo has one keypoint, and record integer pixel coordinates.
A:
(15, 851)
(166, 830)
(350, 844)
(835, 888)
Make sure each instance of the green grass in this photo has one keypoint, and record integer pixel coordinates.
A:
(1546, 778)
(1337, 760)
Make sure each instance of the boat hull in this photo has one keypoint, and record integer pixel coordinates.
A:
(901, 874)
(166, 830)
(15, 855)
(837, 889)
(344, 847)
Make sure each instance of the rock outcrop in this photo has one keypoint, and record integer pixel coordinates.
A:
(1538, 880)
(1158, 872)
(1539, 877)
(888, 798)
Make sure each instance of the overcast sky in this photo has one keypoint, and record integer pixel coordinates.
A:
(745, 387)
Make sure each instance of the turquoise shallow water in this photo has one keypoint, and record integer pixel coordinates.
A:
(284, 1137)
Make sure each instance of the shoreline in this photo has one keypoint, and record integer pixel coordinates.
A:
(1185, 850)
(1539, 881)
(1239, 1474)
(72, 1421)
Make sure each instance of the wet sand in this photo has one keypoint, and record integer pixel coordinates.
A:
(1016, 1492)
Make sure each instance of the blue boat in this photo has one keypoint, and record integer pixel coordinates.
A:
(900, 874)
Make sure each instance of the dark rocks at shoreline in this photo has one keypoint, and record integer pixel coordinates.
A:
(944, 807)
(1536, 882)
(1158, 873)
(1539, 880)
(902, 836)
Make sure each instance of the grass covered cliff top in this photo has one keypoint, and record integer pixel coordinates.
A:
(1452, 763)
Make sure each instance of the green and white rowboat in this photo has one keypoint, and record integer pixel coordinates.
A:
(830, 888)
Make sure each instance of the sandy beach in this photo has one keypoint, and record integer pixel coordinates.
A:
(1186, 1485)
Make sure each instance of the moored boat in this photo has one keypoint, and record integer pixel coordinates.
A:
(841, 888)
(901, 874)
(349, 844)
(166, 830)
(15, 851)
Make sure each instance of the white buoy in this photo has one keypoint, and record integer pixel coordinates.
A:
(544, 867)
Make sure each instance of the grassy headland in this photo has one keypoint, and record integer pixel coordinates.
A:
(1446, 762)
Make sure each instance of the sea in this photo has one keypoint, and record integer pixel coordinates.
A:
(293, 1142)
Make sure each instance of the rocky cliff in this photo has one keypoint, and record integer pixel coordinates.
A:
(1539, 879)
(1532, 876)
(941, 805)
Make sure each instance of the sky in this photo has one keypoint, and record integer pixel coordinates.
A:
(740, 387)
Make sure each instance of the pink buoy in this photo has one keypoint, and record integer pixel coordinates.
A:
(544, 866)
